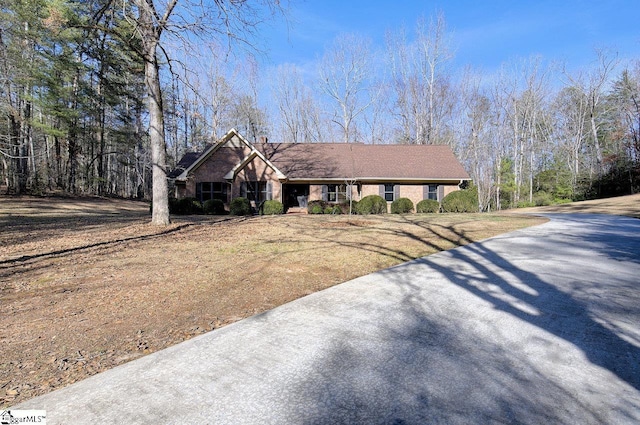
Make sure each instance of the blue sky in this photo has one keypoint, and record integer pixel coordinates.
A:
(484, 34)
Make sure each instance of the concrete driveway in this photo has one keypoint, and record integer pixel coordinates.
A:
(539, 326)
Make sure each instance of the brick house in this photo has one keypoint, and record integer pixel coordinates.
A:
(296, 173)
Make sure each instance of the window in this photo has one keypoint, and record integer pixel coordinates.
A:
(211, 190)
(389, 192)
(256, 191)
(432, 192)
(336, 192)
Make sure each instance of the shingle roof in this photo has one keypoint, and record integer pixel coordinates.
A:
(340, 161)
(357, 160)
(184, 163)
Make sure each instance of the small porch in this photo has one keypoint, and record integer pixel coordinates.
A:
(295, 197)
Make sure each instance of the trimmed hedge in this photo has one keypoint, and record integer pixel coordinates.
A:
(184, 206)
(272, 207)
(461, 201)
(428, 206)
(323, 207)
(333, 209)
(213, 206)
(372, 204)
(240, 206)
(401, 206)
(316, 207)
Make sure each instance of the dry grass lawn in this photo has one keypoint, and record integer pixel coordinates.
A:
(622, 205)
(88, 284)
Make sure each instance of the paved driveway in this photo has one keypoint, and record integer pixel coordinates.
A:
(539, 326)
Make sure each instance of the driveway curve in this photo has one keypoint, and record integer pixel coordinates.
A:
(540, 325)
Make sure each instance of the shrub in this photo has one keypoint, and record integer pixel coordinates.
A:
(562, 201)
(401, 206)
(525, 204)
(213, 206)
(461, 201)
(184, 206)
(240, 206)
(542, 198)
(272, 207)
(316, 207)
(333, 209)
(345, 207)
(372, 204)
(428, 206)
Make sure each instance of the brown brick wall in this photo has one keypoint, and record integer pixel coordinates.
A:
(414, 192)
(258, 170)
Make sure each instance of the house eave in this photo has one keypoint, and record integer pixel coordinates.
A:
(456, 180)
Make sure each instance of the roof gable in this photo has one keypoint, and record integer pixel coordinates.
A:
(232, 139)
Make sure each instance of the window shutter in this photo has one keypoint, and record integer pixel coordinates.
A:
(381, 190)
(425, 191)
(440, 192)
(199, 191)
(396, 191)
(325, 193)
(243, 189)
(269, 191)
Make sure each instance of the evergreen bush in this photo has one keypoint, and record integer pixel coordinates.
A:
(184, 206)
(372, 204)
(272, 207)
(316, 207)
(401, 206)
(525, 204)
(461, 201)
(428, 206)
(240, 206)
(345, 207)
(213, 206)
(542, 198)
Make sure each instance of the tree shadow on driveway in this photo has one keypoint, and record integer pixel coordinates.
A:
(537, 326)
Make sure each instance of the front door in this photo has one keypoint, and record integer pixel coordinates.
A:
(296, 195)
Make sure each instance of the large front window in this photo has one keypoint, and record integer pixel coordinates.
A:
(336, 192)
(211, 190)
(256, 191)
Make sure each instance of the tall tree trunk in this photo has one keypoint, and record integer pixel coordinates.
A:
(150, 31)
(160, 210)
(596, 142)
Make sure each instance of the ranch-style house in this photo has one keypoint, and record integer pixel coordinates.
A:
(296, 173)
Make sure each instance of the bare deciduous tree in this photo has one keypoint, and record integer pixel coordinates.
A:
(423, 98)
(297, 108)
(236, 20)
(343, 78)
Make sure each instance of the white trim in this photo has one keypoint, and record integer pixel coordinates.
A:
(375, 180)
(231, 175)
(206, 154)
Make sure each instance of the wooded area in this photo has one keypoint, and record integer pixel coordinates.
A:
(79, 112)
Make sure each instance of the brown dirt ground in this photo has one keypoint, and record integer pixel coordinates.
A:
(88, 284)
(622, 205)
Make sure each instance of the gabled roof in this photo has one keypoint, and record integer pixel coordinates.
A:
(184, 163)
(232, 136)
(340, 161)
